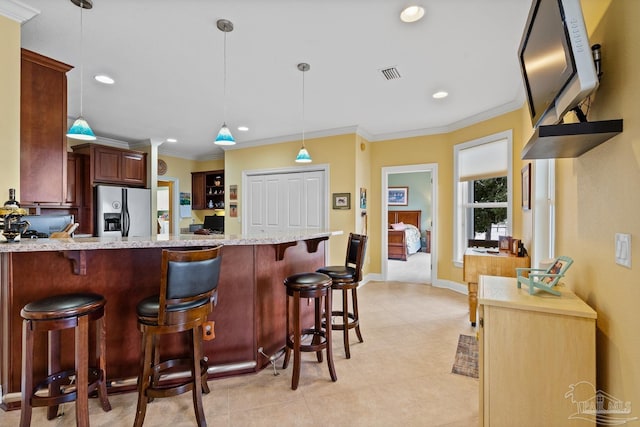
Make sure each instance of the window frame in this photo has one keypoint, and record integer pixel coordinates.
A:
(460, 205)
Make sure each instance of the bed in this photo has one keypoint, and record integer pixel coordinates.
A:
(403, 235)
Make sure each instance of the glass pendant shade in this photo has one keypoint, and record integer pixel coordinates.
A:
(303, 156)
(81, 130)
(224, 136)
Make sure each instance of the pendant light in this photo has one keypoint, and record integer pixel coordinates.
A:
(80, 128)
(224, 136)
(303, 155)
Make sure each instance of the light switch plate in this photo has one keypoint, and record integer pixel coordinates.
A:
(623, 249)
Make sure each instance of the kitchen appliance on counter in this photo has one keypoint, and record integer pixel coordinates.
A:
(42, 226)
(123, 211)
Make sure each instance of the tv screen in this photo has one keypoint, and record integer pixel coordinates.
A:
(556, 60)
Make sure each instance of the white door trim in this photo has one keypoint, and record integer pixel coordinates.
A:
(175, 207)
(426, 167)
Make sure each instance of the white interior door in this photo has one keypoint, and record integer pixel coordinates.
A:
(284, 201)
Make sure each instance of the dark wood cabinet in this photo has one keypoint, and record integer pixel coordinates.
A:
(110, 165)
(207, 190)
(197, 190)
(43, 122)
(74, 179)
(101, 164)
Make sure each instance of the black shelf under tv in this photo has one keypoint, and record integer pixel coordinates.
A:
(569, 140)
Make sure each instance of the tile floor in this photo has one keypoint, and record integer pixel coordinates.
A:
(400, 376)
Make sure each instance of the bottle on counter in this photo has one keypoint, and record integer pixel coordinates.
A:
(12, 202)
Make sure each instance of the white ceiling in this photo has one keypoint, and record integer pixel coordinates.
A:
(167, 59)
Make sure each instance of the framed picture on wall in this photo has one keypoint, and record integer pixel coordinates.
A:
(526, 187)
(341, 200)
(398, 196)
(363, 198)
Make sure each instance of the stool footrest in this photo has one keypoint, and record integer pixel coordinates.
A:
(341, 326)
(314, 346)
(173, 386)
(68, 391)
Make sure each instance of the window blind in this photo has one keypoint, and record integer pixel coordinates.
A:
(483, 161)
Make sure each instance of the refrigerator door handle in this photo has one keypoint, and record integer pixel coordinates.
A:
(125, 214)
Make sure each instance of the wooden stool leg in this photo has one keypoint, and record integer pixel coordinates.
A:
(356, 316)
(53, 366)
(196, 336)
(345, 322)
(318, 326)
(27, 373)
(297, 336)
(145, 377)
(287, 349)
(101, 352)
(82, 372)
(327, 313)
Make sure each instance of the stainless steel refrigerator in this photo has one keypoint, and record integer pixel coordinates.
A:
(123, 211)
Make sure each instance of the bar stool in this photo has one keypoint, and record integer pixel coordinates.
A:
(318, 287)
(346, 278)
(52, 315)
(188, 292)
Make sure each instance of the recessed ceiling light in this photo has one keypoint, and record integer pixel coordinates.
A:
(440, 94)
(243, 128)
(103, 78)
(412, 13)
(172, 140)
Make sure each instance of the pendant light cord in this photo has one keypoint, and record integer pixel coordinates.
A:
(224, 96)
(303, 108)
(81, 59)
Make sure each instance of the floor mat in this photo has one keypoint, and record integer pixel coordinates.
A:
(466, 362)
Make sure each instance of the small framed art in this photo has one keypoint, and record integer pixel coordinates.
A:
(341, 200)
(398, 196)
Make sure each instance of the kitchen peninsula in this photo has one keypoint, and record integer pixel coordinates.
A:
(250, 313)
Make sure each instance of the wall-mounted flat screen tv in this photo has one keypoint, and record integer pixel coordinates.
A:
(556, 60)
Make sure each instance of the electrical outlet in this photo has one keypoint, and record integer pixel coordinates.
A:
(623, 249)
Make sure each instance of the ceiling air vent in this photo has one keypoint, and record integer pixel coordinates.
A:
(390, 73)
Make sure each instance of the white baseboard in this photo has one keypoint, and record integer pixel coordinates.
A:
(438, 283)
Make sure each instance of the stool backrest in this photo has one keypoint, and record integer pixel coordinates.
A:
(356, 249)
(189, 280)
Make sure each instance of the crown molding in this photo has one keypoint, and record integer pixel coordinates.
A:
(17, 11)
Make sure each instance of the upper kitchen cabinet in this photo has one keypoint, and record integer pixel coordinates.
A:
(109, 165)
(207, 189)
(43, 123)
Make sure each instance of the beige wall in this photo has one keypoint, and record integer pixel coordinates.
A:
(9, 106)
(598, 196)
(439, 149)
(338, 152)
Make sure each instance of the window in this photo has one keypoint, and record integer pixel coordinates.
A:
(482, 191)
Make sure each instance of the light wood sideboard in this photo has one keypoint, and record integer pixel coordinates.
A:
(537, 356)
(477, 262)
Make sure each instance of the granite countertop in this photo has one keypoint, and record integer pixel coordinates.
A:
(161, 241)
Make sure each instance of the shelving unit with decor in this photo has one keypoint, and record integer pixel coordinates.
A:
(208, 189)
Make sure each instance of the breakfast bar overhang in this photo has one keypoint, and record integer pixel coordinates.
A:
(249, 317)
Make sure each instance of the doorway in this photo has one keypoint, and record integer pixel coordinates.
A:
(419, 184)
(167, 214)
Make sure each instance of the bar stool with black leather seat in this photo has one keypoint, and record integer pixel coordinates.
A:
(347, 277)
(52, 315)
(188, 292)
(318, 287)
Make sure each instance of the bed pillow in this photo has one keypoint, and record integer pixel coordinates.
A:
(399, 226)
